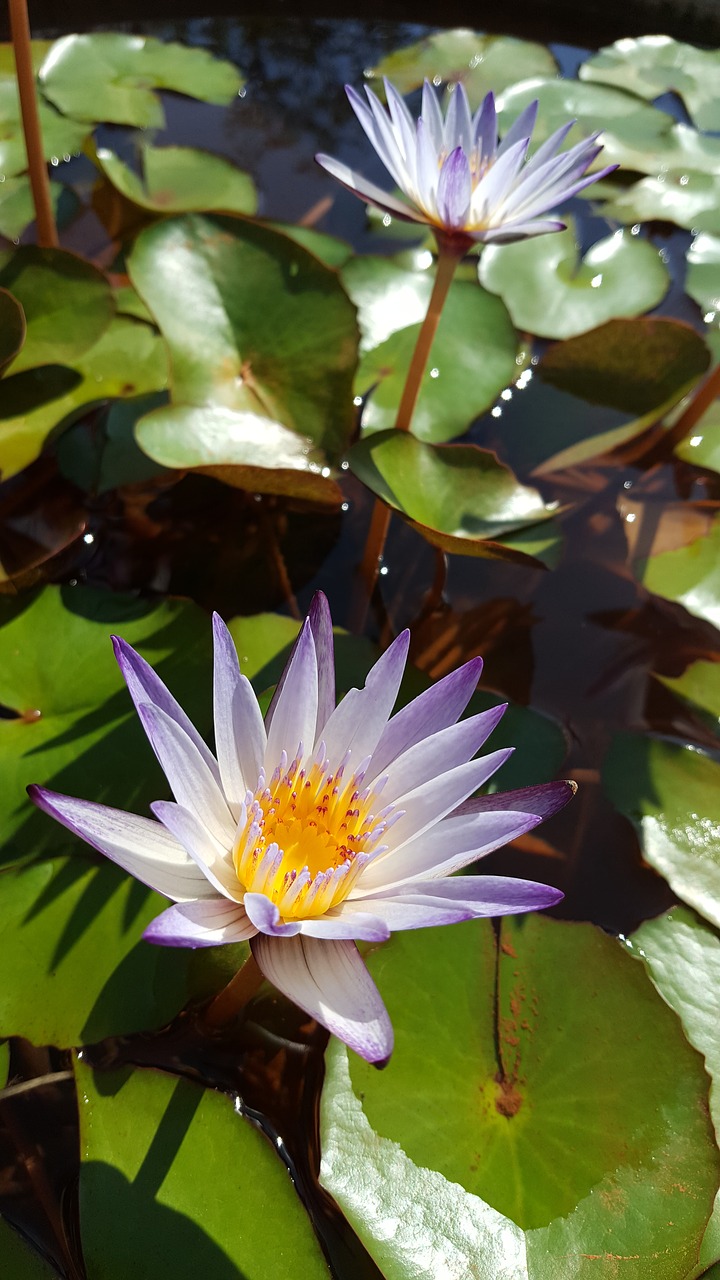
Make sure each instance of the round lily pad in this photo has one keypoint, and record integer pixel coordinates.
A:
(240, 368)
(671, 793)
(388, 295)
(180, 180)
(61, 136)
(145, 1136)
(479, 62)
(111, 76)
(690, 575)
(652, 65)
(575, 1131)
(688, 199)
(552, 292)
(67, 302)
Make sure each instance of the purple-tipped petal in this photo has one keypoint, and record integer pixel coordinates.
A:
(367, 191)
(543, 800)
(431, 115)
(514, 231)
(521, 129)
(454, 191)
(439, 706)
(361, 717)
(435, 799)
(379, 131)
(295, 712)
(144, 685)
(458, 122)
(206, 853)
(240, 737)
(144, 848)
(485, 131)
(200, 924)
(439, 753)
(362, 926)
(321, 627)
(497, 182)
(434, 902)
(265, 916)
(191, 781)
(328, 979)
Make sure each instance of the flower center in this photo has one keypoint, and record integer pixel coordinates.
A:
(305, 836)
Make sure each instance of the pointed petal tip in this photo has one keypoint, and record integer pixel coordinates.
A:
(380, 1063)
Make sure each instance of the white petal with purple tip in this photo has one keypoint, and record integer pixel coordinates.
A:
(191, 782)
(200, 924)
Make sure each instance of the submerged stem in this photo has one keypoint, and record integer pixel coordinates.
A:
(47, 236)
(235, 995)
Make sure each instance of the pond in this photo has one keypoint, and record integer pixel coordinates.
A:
(213, 401)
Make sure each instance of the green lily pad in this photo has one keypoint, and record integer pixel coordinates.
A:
(254, 388)
(699, 685)
(671, 795)
(129, 303)
(111, 77)
(181, 180)
(388, 296)
(458, 491)
(478, 61)
(12, 328)
(128, 359)
(688, 199)
(17, 210)
(76, 730)
(634, 134)
(68, 303)
(702, 446)
(702, 280)
(550, 291)
(38, 53)
(683, 958)
(653, 65)
(456, 387)
(571, 1140)
(19, 1259)
(61, 136)
(104, 454)
(144, 1137)
(690, 575)
(329, 249)
(80, 969)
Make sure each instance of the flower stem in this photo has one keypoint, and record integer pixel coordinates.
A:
(447, 262)
(235, 995)
(20, 30)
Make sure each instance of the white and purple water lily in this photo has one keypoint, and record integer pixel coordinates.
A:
(457, 176)
(322, 825)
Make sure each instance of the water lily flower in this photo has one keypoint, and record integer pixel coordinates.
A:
(457, 176)
(320, 826)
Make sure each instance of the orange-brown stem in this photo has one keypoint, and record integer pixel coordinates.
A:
(47, 236)
(235, 995)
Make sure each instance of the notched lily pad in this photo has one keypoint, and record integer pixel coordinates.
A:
(550, 291)
(180, 180)
(109, 76)
(551, 1166)
(460, 497)
(479, 62)
(688, 199)
(652, 65)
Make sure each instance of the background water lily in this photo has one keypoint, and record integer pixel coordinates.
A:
(458, 176)
(321, 826)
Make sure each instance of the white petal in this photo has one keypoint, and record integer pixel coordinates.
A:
(368, 191)
(428, 804)
(431, 711)
(200, 924)
(240, 737)
(205, 851)
(362, 715)
(191, 782)
(439, 753)
(295, 713)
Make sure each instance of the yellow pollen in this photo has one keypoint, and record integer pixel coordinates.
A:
(304, 838)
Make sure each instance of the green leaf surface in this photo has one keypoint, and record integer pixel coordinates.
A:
(702, 279)
(671, 794)
(61, 136)
(329, 249)
(456, 386)
(80, 969)
(683, 958)
(128, 360)
(17, 210)
(20, 1261)
(388, 295)
(480, 62)
(702, 446)
(551, 291)
(111, 77)
(653, 65)
(458, 491)
(12, 328)
(634, 135)
(68, 303)
(592, 1140)
(699, 685)
(105, 455)
(195, 1179)
(690, 575)
(180, 180)
(262, 342)
(688, 199)
(76, 730)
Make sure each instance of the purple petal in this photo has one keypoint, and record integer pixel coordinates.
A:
(328, 979)
(144, 685)
(200, 924)
(144, 848)
(522, 128)
(361, 717)
(265, 916)
(543, 800)
(240, 738)
(433, 710)
(497, 183)
(435, 902)
(321, 627)
(522, 230)
(206, 853)
(454, 191)
(367, 191)
(295, 712)
(191, 782)
(458, 123)
(379, 131)
(485, 133)
(439, 753)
